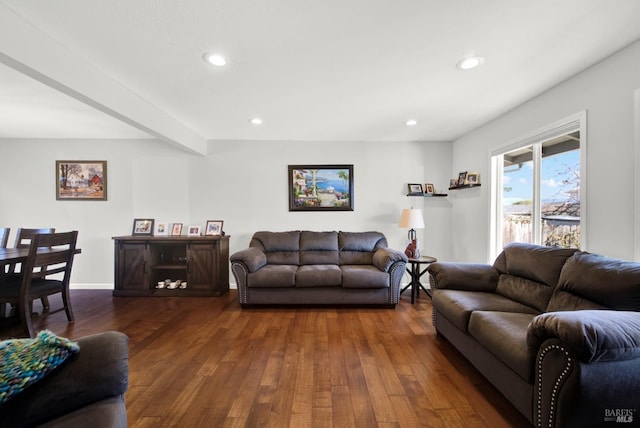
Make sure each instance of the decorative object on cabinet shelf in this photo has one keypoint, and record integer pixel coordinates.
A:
(176, 229)
(142, 227)
(161, 229)
(214, 228)
(193, 231)
(415, 189)
(412, 219)
(429, 189)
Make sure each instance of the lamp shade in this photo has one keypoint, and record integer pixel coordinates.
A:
(412, 219)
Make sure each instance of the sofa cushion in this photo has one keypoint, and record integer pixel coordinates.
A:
(357, 248)
(536, 262)
(273, 276)
(281, 248)
(318, 248)
(525, 291)
(363, 276)
(504, 334)
(591, 281)
(318, 276)
(457, 306)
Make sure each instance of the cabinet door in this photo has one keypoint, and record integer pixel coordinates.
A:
(131, 267)
(202, 267)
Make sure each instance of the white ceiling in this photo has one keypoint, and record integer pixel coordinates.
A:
(324, 70)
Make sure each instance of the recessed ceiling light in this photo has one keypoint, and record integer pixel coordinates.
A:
(256, 121)
(411, 122)
(215, 59)
(469, 63)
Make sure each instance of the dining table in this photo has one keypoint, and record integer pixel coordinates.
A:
(9, 256)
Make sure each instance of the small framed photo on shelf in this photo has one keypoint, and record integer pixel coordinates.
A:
(453, 183)
(176, 229)
(213, 228)
(473, 178)
(193, 231)
(429, 189)
(142, 227)
(161, 229)
(415, 188)
(462, 178)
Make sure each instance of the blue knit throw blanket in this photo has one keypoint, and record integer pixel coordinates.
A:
(25, 361)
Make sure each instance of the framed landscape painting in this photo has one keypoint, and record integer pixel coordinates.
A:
(81, 180)
(320, 187)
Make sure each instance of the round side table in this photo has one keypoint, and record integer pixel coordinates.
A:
(416, 273)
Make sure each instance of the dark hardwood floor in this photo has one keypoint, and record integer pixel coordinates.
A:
(206, 362)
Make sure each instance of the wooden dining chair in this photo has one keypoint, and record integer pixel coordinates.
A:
(4, 236)
(49, 254)
(23, 239)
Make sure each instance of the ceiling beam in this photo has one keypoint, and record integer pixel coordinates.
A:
(28, 50)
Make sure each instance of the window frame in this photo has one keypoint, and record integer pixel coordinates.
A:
(576, 122)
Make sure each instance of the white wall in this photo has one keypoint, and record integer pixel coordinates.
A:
(242, 183)
(606, 92)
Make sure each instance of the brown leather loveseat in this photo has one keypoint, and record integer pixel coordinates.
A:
(556, 331)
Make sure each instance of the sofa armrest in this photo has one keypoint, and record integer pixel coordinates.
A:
(384, 258)
(593, 335)
(100, 370)
(463, 276)
(252, 257)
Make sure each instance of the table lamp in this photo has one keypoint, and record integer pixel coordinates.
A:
(413, 220)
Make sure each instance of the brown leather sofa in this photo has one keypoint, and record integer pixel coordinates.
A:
(556, 331)
(87, 390)
(330, 268)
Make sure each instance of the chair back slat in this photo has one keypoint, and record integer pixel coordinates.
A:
(23, 240)
(24, 235)
(49, 254)
(4, 236)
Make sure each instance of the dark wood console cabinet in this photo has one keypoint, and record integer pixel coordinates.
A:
(142, 261)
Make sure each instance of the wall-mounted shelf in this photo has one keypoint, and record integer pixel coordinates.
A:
(465, 186)
(428, 195)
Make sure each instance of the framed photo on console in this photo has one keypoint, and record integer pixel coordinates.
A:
(142, 227)
(161, 229)
(214, 228)
(176, 229)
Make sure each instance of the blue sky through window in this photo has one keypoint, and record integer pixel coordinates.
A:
(559, 175)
